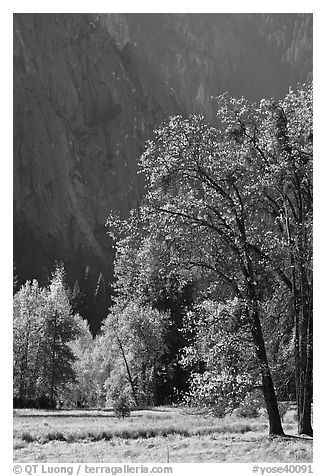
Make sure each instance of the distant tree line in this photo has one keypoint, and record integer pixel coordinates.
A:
(213, 276)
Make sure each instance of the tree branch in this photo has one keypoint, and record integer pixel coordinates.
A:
(277, 269)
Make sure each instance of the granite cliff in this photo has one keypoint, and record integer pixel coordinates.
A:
(88, 91)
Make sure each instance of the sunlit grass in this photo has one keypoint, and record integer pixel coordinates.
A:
(149, 436)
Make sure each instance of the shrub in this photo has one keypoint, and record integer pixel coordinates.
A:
(121, 406)
(26, 436)
(250, 407)
(19, 445)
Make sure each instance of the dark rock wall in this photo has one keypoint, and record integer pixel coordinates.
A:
(88, 90)
(80, 120)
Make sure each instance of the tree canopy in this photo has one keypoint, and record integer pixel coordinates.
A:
(236, 201)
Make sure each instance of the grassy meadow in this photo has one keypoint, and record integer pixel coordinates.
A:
(159, 435)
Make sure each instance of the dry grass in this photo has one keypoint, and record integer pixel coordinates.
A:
(150, 436)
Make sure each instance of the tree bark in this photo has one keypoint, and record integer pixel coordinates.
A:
(302, 308)
(302, 303)
(304, 422)
(275, 424)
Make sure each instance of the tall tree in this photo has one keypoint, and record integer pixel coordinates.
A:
(243, 191)
(202, 199)
(276, 139)
(60, 328)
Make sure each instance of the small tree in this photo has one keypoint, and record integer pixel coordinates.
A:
(28, 322)
(134, 337)
(43, 328)
(121, 406)
(92, 368)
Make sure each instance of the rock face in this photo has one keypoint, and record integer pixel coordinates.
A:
(88, 91)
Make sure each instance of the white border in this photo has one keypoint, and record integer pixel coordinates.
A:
(319, 185)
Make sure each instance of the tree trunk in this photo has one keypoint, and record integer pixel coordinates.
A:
(53, 358)
(134, 393)
(304, 422)
(302, 296)
(275, 424)
(24, 365)
(302, 308)
(298, 374)
(155, 395)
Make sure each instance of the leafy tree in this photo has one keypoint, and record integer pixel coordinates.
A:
(203, 199)
(133, 335)
(209, 197)
(58, 330)
(43, 328)
(91, 368)
(276, 140)
(28, 320)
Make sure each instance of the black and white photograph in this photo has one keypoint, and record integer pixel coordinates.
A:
(162, 239)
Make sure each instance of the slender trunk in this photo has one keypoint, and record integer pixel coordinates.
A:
(53, 358)
(298, 376)
(302, 307)
(147, 377)
(155, 396)
(127, 368)
(24, 365)
(296, 306)
(38, 364)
